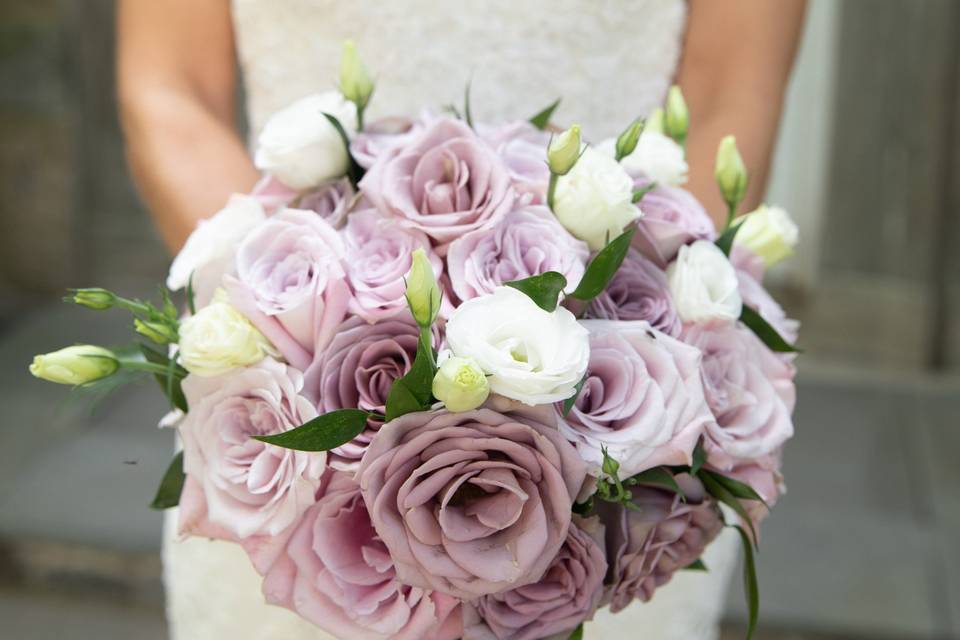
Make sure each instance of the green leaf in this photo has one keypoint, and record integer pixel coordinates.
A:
(751, 589)
(583, 508)
(767, 334)
(639, 193)
(542, 119)
(737, 488)
(543, 289)
(572, 400)
(699, 457)
(696, 565)
(603, 267)
(170, 380)
(168, 493)
(721, 493)
(467, 114)
(323, 433)
(659, 477)
(725, 241)
(577, 633)
(354, 171)
(191, 298)
(414, 391)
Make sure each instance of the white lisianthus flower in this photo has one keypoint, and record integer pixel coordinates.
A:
(704, 284)
(300, 147)
(769, 232)
(213, 243)
(460, 384)
(218, 339)
(530, 355)
(594, 201)
(656, 156)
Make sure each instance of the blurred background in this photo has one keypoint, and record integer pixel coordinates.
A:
(863, 546)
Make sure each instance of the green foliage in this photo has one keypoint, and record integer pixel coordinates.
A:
(603, 267)
(542, 119)
(543, 289)
(168, 493)
(767, 334)
(323, 433)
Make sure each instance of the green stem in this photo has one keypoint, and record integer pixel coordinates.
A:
(731, 213)
(426, 336)
(552, 189)
(147, 367)
(360, 111)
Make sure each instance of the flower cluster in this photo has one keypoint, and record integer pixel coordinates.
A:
(443, 379)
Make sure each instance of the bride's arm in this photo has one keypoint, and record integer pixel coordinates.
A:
(176, 77)
(736, 62)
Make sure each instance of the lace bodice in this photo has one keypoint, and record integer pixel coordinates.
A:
(609, 60)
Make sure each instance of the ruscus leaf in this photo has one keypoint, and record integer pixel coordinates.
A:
(751, 588)
(659, 477)
(603, 267)
(725, 241)
(572, 400)
(767, 334)
(543, 289)
(323, 432)
(168, 493)
(542, 119)
(414, 391)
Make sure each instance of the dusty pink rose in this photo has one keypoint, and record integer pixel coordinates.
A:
(526, 242)
(356, 371)
(379, 255)
(291, 283)
(638, 291)
(382, 138)
(445, 182)
(750, 391)
(642, 399)
(523, 149)
(273, 195)
(471, 503)
(567, 594)
(763, 476)
(248, 487)
(331, 201)
(671, 217)
(646, 546)
(336, 572)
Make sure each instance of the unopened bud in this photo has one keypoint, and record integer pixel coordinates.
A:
(423, 294)
(75, 365)
(627, 141)
(730, 172)
(564, 150)
(676, 121)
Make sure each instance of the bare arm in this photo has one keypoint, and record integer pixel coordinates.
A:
(736, 63)
(176, 77)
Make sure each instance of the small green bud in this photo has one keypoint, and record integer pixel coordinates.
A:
(355, 83)
(610, 466)
(75, 365)
(655, 121)
(423, 294)
(97, 299)
(564, 151)
(627, 141)
(676, 121)
(460, 384)
(158, 332)
(730, 172)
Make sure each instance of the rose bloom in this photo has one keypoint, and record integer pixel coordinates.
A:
(638, 291)
(671, 218)
(567, 594)
(763, 476)
(471, 503)
(356, 371)
(642, 399)
(445, 182)
(336, 572)
(332, 201)
(526, 242)
(750, 391)
(646, 546)
(291, 283)
(384, 137)
(247, 487)
(756, 297)
(379, 254)
(523, 149)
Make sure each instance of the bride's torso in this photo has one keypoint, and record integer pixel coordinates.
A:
(609, 60)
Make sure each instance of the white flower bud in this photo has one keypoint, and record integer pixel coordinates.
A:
(676, 121)
(423, 294)
(75, 365)
(355, 83)
(460, 384)
(730, 172)
(768, 232)
(564, 151)
(627, 141)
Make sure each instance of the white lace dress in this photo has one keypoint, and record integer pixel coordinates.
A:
(610, 61)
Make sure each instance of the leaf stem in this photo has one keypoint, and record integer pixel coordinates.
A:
(552, 189)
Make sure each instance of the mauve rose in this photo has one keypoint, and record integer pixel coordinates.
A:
(331, 201)
(291, 283)
(526, 242)
(523, 149)
(356, 371)
(471, 503)
(646, 546)
(642, 399)
(763, 476)
(567, 594)
(379, 255)
(759, 299)
(445, 182)
(336, 572)
(272, 194)
(671, 217)
(750, 391)
(383, 137)
(638, 291)
(249, 487)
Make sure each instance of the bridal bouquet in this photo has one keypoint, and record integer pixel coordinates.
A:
(449, 379)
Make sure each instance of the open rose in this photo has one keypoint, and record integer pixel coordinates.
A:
(567, 594)
(523, 149)
(638, 291)
(671, 218)
(336, 572)
(647, 545)
(471, 503)
(750, 391)
(445, 183)
(379, 255)
(642, 399)
(247, 487)
(331, 201)
(356, 371)
(383, 137)
(291, 283)
(526, 242)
